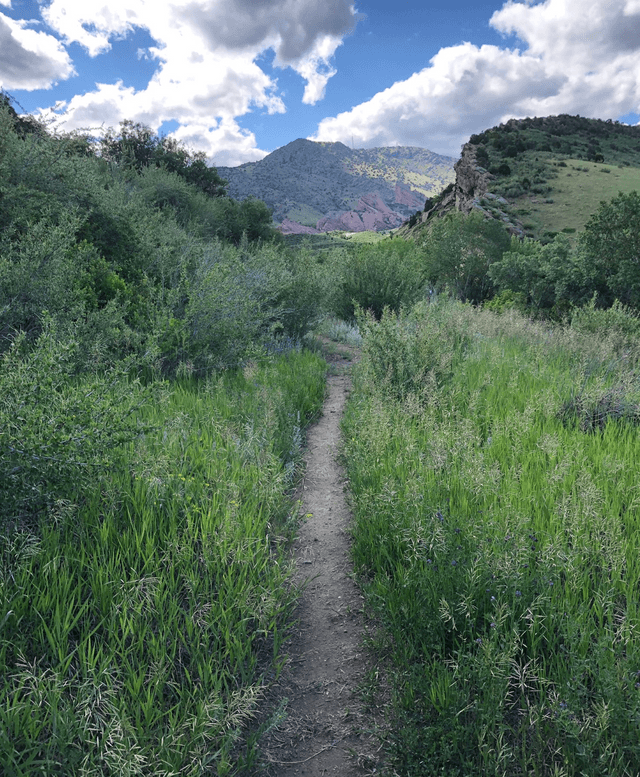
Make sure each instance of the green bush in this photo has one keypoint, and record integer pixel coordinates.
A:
(374, 277)
(406, 355)
(59, 435)
(619, 322)
(458, 253)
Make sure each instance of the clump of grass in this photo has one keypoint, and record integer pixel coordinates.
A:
(593, 413)
(498, 546)
(140, 615)
(340, 331)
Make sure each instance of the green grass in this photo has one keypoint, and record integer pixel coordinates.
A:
(364, 237)
(497, 539)
(328, 241)
(576, 193)
(140, 619)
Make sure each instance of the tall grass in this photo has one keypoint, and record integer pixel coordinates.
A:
(140, 618)
(497, 537)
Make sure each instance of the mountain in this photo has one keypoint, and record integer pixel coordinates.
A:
(320, 187)
(540, 176)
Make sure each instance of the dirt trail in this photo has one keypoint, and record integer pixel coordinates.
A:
(326, 732)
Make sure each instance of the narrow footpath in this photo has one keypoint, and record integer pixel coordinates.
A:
(326, 731)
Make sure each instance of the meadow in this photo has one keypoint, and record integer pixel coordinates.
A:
(493, 464)
(578, 189)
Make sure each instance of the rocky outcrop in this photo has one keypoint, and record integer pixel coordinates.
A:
(470, 185)
(470, 192)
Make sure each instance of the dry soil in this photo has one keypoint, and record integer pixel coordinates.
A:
(326, 731)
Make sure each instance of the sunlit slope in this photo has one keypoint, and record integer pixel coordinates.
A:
(575, 194)
(540, 176)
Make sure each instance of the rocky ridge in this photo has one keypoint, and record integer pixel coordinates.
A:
(470, 192)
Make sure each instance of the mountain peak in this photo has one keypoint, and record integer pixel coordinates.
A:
(327, 185)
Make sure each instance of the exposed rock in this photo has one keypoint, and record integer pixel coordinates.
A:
(470, 184)
(410, 198)
(468, 193)
(371, 214)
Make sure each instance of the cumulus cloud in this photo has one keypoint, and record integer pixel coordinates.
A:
(30, 59)
(206, 52)
(582, 60)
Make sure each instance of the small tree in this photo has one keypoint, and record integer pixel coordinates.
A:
(459, 252)
(610, 250)
(136, 146)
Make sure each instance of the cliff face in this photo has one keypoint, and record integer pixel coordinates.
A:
(470, 192)
(470, 185)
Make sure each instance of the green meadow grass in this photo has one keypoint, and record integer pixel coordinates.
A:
(495, 475)
(141, 621)
(576, 192)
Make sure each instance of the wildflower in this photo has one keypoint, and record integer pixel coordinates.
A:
(493, 598)
(439, 516)
(454, 563)
(493, 625)
(479, 641)
(518, 593)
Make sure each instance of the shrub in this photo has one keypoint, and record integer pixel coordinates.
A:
(59, 435)
(374, 277)
(459, 251)
(619, 322)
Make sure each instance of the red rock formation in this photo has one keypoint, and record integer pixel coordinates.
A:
(404, 195)
(371, 214)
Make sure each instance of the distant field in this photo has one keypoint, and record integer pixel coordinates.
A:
(330, 240)
(577, 191)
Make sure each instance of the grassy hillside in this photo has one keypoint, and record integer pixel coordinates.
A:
(555, 171)
(576, 188)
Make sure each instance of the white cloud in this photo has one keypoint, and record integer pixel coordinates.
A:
(582, 60)
(30, 59)
(207, 53)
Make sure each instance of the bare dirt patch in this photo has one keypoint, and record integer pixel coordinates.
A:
(327, 731)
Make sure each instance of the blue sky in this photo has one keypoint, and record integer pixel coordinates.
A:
(239, 78)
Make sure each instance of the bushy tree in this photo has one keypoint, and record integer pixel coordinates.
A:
(389, 275)
(610, 251)
(547, 276)
(459, 252)
(136, 146)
